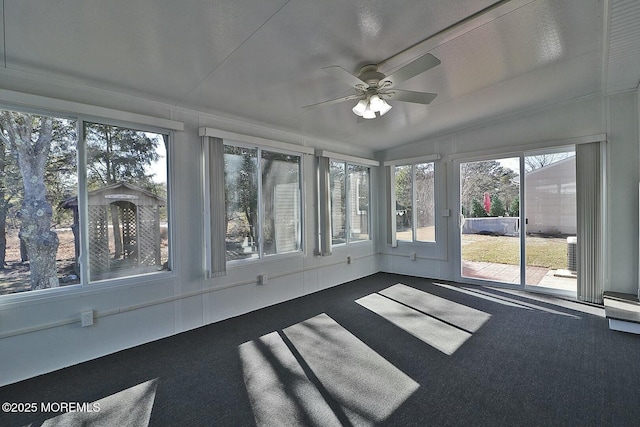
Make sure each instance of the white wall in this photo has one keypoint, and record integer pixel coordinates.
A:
(40, 331)
(623, 177)
(617, 116)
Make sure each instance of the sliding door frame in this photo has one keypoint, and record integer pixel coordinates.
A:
(521, 155)
(459, 218)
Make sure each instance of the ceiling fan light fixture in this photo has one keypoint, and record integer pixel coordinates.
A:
(368, 113)
(376, 103)
(360, 107)
(384, 109)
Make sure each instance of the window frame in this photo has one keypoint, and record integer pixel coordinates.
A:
(347, 205)
(437, 246)
(111, 118)
(85, 268)
(262, 256)
(414, 200)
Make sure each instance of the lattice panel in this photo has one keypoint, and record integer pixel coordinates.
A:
(98, 239)
(149, 239)
(129, 232)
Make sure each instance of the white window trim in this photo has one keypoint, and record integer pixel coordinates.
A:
(516, 150)
(254, 141)
(413, 160)
(347, 209)
(70, 109)
(275, 147)
(83, 202)
(392, 184)
(354, 160)
(38, 105)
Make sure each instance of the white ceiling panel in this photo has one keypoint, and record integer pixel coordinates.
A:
(158, 48)
(282, 63)
(286, 72)
(261, 60)
(623, 67)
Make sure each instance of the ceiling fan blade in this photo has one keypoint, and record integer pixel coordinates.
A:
(412, 96)
(345, 76)
(334, 101)
(412, 69)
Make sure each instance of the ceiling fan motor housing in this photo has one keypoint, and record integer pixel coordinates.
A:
(371, 76)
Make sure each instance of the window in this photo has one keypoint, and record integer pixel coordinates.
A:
(415, 203)
(37, 173)
(281, 219)
(262, 202)
(337, 180)
(127, 201)
(241, 194)
(349, 189)
(42, 220)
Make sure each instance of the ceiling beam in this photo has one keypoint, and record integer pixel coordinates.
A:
(470, 23)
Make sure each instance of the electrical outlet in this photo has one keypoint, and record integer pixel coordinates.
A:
(263, 279)
(412, 256)
(87, 318)
(349, 259)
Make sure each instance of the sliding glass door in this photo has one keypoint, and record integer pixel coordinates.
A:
(490, 227)
(551, 228)
(518, 220)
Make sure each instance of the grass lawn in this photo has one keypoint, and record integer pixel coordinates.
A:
(541, 252)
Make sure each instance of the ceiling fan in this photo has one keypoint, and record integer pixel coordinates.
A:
(373, 88)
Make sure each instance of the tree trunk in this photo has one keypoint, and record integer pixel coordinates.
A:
(36, 212)
(111, 179)
(41, 243)
(24, 256)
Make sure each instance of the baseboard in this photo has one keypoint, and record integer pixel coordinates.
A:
(622, 326)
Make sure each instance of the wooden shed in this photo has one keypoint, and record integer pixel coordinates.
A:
(124, 227)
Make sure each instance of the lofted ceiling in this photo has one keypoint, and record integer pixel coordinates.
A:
(261, 61)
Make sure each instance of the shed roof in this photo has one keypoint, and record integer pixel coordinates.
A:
(119, 192)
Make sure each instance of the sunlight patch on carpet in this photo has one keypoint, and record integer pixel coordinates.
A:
(484, 297)
(279, 391)
(366, 386)
(130, 407)
(437, 334)
(318, 373)
(460, 315)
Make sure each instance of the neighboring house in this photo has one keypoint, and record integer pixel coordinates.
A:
(550, 195)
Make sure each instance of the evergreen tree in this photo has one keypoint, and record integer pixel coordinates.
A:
(514, 208)
(477, 210)
(117, 155)
(497, 207)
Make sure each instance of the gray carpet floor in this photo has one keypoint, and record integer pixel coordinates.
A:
(385, 350)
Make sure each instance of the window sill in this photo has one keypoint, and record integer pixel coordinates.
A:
(235, 264)
(72, 291)
(354, 242)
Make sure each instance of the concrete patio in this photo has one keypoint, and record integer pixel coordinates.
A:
(505, 273)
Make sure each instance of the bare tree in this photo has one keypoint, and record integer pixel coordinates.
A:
(532, 163)
(424, 183)
(489, 176)
(29, 137)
